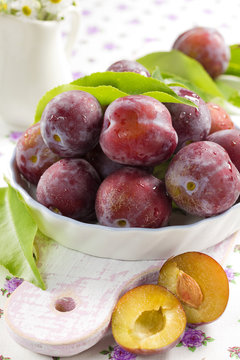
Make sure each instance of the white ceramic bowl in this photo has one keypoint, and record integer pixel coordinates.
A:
(185, 233)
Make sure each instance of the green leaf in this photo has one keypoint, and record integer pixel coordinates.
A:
(104, 352)
(230, 87)
(174, 80)
(156, 74)
(3, 291)
(192, 348)
(164, 97)
(17, 230)
(209, 339)
(179, 345)
(231, 82)
(128, 82)
(160, 170)
(109, 86)
(204, 342)
(234, 63)
(181, 65)
(104, 94)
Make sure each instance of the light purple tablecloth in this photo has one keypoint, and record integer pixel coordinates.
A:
(127, 29)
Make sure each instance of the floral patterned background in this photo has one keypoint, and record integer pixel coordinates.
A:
(113, 30)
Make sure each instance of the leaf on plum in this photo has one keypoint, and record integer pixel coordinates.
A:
(109, 86)
(104, 94)
(18, 231)
(173, 80)
(167, 98)
(179, 64)
(129, 82)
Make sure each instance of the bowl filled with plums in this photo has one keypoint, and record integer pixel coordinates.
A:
(140, 161)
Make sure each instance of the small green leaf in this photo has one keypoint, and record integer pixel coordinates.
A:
(209, 339)
(179, 345)
(104, 352)
(204, 342)
(3, 291)
(179, 64)
(192, 348)
(17, 230)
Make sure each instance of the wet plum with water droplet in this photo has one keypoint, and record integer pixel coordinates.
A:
(33, 157)
(131, 197)
(229, 139)
(69, 188)
(190, 123)
(137, 130)
(71, 123)
(220, 119)
(202, 180)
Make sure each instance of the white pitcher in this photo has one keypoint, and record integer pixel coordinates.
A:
(33, 60)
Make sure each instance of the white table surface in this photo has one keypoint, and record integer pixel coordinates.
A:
(112, 30)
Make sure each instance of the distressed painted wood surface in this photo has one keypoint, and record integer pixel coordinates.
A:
(74, 313)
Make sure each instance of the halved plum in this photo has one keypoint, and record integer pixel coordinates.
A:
(148, 319)
(199, 282)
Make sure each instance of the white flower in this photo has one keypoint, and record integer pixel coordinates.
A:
(28, 8)
(37, 9)
(56, 7)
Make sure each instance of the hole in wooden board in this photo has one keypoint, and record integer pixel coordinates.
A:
(65, 304)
